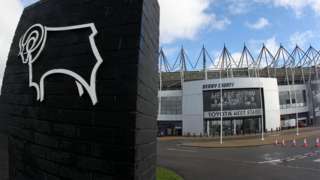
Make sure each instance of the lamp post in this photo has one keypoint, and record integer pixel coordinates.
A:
(221, 110)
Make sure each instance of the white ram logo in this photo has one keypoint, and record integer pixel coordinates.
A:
(31, 45)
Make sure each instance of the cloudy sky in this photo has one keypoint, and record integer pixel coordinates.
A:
(192, 23)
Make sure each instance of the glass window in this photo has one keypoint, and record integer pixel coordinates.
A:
(284, 98)
(298, 98)
(171, 105)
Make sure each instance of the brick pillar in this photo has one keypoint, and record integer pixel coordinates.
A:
(65, 132)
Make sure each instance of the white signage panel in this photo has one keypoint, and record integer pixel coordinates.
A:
(233, 113)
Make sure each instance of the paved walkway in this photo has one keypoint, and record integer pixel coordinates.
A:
(249, 140)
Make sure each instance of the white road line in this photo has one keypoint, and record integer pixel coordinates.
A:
(299, 157)
(317, 160)
(182, 150)
(271, 161)
(297, 167)
(290, 159)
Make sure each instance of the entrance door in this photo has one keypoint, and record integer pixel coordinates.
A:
(251, 125)
(233, 126)
(227, 127)
(237, 126)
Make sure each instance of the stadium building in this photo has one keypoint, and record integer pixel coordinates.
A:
(269, 93)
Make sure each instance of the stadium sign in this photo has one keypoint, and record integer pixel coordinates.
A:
(217, 86)
(233, 113)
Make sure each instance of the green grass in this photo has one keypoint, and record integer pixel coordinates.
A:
(165, 174)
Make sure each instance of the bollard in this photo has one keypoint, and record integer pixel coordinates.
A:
(305, 143)
(317, 143)
(294, 143)
(283, 143)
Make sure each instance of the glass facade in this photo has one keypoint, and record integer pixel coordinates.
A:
(171, 105)
(169, 128)
(235, 126)
(241, 111)
(233, 99)
(289, 120)
(292, 99)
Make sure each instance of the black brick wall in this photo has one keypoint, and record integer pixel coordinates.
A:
(65, 136)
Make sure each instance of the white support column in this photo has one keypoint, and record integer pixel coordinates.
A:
(208, 128)
(221, 110)
(160, 90)
(262, 115)
(296, 109)
(206, 74)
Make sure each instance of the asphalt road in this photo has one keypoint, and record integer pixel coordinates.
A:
(256, 163)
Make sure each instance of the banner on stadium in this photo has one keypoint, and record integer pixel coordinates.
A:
(233, 113)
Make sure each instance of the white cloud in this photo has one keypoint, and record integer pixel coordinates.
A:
(216, 55)
(259, 24)
(237, 7)
(236, 57)
(301, 38)
(297, 5)
(218, 24)
(10, 12)
(271, 43)
(184, 19)
(170, 51)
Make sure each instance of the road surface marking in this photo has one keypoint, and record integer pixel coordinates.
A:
(271, 161)
(299, 157)
(182, 150)
(290, 159)
(304, 168)
(317, 160)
